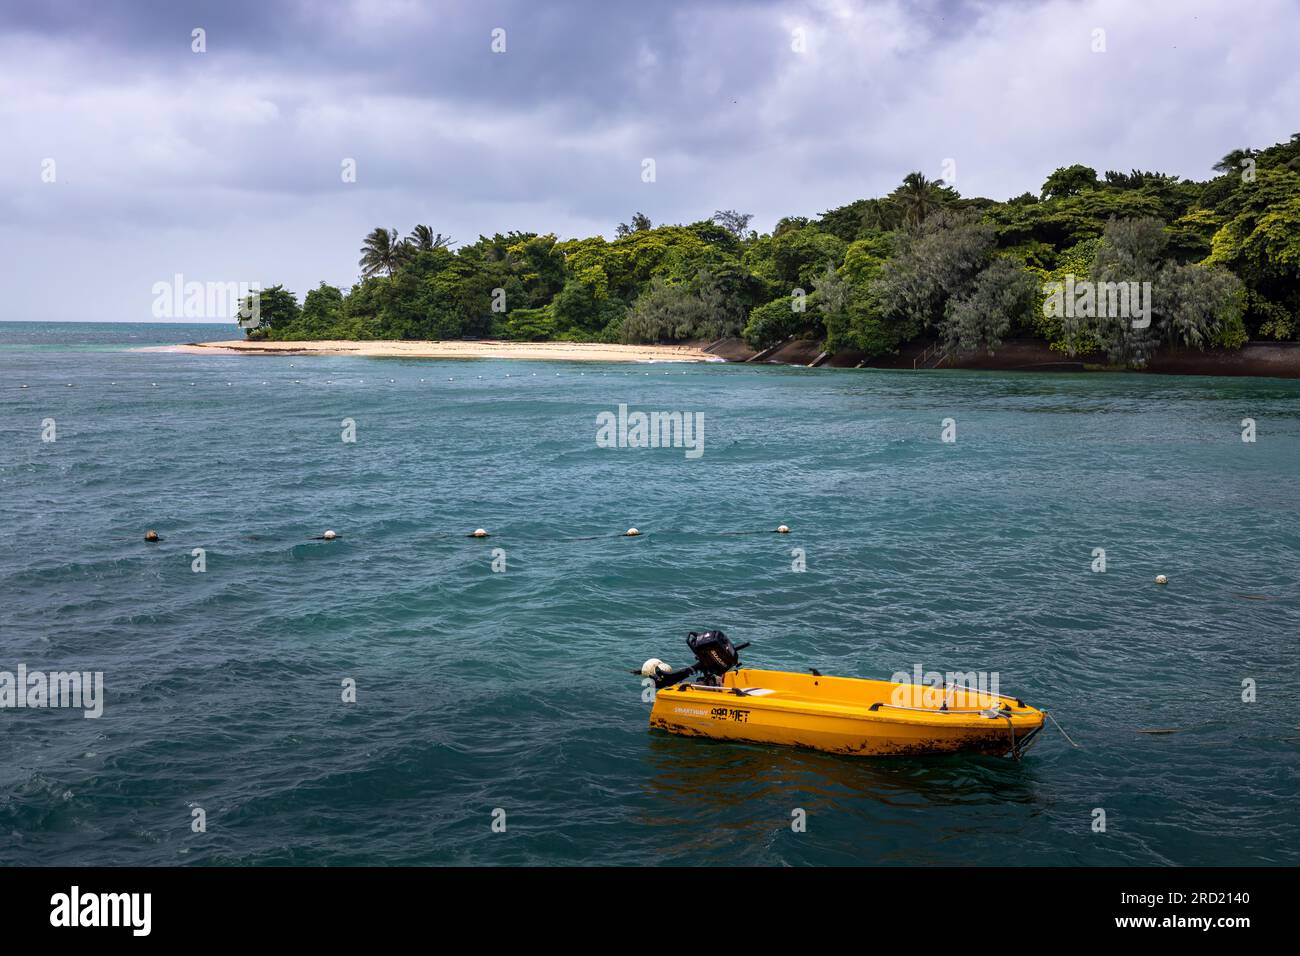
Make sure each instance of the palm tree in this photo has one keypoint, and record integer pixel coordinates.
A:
(917, 197)
(880, 215)
(424, 239)
(1232, 163)
(381, 252)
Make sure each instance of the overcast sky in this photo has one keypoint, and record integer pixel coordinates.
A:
(226, 165)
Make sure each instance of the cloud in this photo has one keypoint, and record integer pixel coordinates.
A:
(226, 165)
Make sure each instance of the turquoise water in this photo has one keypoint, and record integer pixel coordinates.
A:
(479, 690)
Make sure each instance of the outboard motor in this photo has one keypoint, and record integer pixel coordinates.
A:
(714, 656)
(715, 653)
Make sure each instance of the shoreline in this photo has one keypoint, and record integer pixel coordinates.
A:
(1254, 360)
(455, 349)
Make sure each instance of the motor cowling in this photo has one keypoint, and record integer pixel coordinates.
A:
(714, 651)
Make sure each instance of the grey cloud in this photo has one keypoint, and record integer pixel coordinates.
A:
(229, 162)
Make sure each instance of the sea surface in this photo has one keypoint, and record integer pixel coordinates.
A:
(505, 696)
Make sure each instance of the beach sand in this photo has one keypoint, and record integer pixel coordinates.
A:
(458, 349)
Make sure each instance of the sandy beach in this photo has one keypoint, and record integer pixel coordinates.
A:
(458, 349)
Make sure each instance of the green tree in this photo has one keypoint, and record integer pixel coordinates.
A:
(322, 312)
(936, 261)
(580, 307)
(790, 316)
(1069, 181)
(275, 309)
(863, 324)
(1260, 243)
(736, 223)
(640, 223)
(540, 267)
(801, 256)
(424, 239)
(530, 325)
(1189, 305)
(1200, 306)
(918, 197)
(667, 312)
(1002, 296)
(1234, 161)
(1076, 261)
(381, 252)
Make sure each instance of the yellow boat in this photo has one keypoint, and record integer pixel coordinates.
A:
(842, 715)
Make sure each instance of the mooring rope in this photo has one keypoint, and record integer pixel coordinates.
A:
(1061, 729)
(1011, 732)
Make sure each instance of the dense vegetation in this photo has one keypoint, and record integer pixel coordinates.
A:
(1222, 257)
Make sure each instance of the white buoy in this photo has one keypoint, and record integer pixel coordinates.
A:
(631, 533)
(653, 667)
(479, 533)
(1161, 579)
(151, 535)
(329, 536)
(783, 529)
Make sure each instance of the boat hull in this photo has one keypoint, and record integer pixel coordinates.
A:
(836, 715)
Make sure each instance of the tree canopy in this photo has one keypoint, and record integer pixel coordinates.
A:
(1222, 255)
